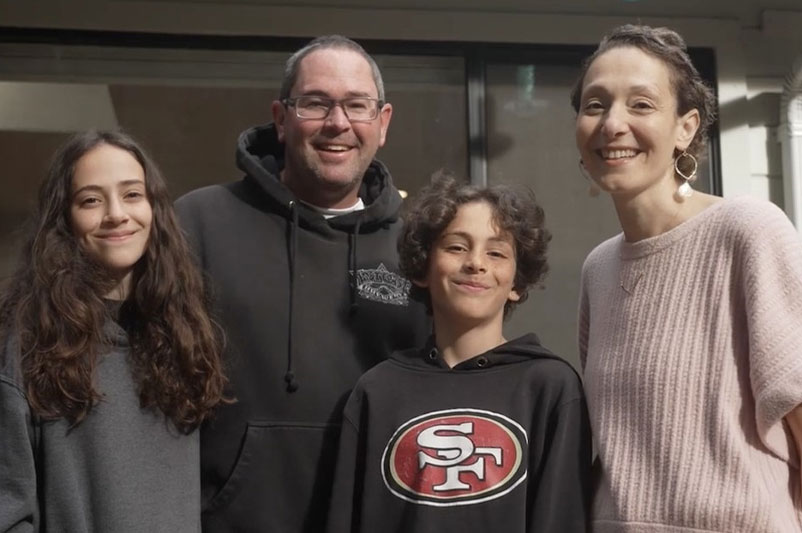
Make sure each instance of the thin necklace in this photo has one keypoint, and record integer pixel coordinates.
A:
(629, 287)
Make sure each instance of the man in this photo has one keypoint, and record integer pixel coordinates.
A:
(302, 258)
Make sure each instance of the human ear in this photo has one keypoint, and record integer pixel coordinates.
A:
(513, 296)
(687, 126)
(385, 114)
(279, 114)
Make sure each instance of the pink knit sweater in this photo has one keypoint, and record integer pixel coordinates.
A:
(691, 345)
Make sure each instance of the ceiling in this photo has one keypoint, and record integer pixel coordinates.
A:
(747, 11)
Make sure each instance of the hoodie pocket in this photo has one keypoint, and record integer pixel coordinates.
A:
(281, 481)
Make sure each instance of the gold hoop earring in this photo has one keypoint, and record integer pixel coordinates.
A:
(593, 189)
(685, 190)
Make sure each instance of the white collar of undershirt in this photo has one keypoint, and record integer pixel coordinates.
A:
(330, 212)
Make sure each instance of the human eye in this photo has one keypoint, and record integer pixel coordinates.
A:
(642, 105)
(134, 195)
(358, 104)
(313, 102)
(88, 201)
(454, 247)
(498, 253)
(360, 108)
(593, 106)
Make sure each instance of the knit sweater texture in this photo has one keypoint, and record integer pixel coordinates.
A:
(691, 346)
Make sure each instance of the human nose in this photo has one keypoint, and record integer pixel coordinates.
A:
(115, 212)
(475, 262)
(614, 122)
(337, 117)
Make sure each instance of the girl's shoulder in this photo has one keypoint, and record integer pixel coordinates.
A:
(10, 368)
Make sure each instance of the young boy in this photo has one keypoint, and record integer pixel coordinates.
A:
(471, 432)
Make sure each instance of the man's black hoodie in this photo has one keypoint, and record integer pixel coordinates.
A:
(308, 305)
(500, 442)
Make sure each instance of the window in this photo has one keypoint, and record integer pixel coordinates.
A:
(492, 114)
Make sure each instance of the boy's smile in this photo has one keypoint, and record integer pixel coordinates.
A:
(471, 270)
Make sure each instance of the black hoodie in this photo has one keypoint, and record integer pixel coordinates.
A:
(501, 443)
(308, 305)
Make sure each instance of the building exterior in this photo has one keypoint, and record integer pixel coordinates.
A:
(479, 87)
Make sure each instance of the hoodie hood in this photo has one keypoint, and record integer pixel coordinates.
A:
(120, 320)
(261, 156)
(518, 350)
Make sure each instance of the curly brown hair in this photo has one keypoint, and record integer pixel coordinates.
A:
(55, 311)
(688, 87)
(515, 212)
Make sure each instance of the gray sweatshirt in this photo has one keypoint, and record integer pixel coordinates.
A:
(122, 469)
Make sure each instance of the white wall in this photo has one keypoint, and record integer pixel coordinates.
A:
(770, 52)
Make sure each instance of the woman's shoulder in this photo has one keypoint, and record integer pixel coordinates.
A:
(749, 219)
(603, 252)
(745, 210)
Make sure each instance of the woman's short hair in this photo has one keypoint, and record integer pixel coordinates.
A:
(668, 46)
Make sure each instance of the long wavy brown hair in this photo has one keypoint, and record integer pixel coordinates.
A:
(55, 311)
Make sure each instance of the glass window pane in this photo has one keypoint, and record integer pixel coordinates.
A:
(428, 131)
(188, 107)
(530, 142)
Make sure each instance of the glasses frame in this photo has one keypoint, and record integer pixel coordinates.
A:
(290, 102)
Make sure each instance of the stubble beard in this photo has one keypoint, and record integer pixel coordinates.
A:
(310, 182)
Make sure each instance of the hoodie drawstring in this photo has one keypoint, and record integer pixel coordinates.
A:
(352, 264)
(289, 376)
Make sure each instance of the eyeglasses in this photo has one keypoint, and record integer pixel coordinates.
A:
(356, 109)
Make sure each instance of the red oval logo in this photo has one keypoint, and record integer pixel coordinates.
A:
(455, 457)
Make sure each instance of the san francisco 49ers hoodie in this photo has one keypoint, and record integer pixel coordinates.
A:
(500, 442)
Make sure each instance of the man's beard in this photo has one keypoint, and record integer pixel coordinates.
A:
(308, 181)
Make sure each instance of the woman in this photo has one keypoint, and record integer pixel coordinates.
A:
(110, 360)
(690, 327)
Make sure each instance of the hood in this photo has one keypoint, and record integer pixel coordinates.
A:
(261, 156)
(120, 320)
(515, 351)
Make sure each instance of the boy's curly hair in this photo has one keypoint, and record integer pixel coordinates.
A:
(515, 212)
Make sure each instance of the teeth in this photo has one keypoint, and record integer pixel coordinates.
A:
(334, 147)
(618, 154)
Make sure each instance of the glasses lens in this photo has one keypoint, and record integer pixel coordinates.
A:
(319, 107)
(360, 108)
(312, 106)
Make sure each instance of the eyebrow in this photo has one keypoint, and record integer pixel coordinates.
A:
(465, 236)
(646, 88)
(124, 183)
(595, 88)
(349, 94)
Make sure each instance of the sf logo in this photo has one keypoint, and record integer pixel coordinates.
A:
(455, 457)
(453, 453)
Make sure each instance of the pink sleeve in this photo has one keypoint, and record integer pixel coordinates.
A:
(772, 283)
(584, 321)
